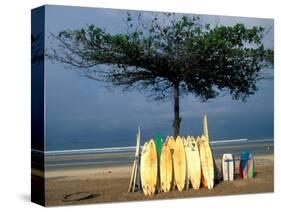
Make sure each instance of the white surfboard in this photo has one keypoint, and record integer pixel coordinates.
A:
(193, 163)
(227, 167)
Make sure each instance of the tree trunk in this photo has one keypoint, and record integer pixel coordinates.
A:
(177, 119)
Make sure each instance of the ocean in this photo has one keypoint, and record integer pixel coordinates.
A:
(120, 156)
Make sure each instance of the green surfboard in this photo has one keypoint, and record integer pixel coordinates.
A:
(158, 144)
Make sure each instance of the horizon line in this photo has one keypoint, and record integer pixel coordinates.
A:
(127, 148)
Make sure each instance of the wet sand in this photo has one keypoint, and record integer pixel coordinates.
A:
(110, 184)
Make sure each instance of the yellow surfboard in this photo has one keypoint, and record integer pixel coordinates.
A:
(172, 144)
(205, 127)
(179, 164)
(206, 163)
(142, 166)
(166, 168)
(185, 143)
(149, 168)
(193, 163)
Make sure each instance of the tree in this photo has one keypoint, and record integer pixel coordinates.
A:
(174, 59)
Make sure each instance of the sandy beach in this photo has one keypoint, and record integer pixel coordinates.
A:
(110, 184)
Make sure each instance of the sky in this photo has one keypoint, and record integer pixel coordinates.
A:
(83, 113)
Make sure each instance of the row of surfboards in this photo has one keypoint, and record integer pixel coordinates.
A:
(176, 163)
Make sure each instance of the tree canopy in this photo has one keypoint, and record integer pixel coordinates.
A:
(181, 57)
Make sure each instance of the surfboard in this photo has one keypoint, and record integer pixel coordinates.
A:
(166, 168)
(207, 164)
(217, 176)
(158, 144)
(185, 143)
(198, 141)
(246, 166)
(172, 144)
(203, 181)
(150, 166)
(205, 127)
(179, 164)
(193, 163)
(227, 167)
(142, 167)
